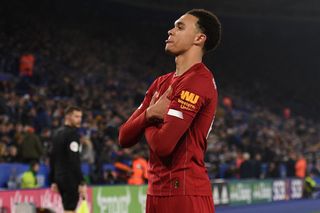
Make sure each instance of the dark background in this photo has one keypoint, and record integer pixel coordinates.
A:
(268, 53)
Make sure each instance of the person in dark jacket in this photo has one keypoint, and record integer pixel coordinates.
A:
(246, 168)
(30, 148)
(291, 165)
(66, 175)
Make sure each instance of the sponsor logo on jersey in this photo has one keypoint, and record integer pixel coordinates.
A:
(186, 105)
(188, 100)
(189, 97)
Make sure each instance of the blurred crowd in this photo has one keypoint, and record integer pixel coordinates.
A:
(107, 75)
(251, 142)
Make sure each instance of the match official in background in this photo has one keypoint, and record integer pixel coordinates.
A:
(66, 175)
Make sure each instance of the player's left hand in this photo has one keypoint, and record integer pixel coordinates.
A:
(158, 109)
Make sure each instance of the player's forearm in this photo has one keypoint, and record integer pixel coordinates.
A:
(131, 131)
(162, 140)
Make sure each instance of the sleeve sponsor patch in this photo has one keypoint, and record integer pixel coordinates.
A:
(74, 146)
(189, 97)
(175, 113)
(188, 100)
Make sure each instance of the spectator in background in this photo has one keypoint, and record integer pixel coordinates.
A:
(273, 170)
(12, 156)
(67, 88)
(246, 168)
(18, 134)
(301, 166)
(42, 119)
(122, 164)
(109, 177)
(257, 166)
(30, 148)
(107, 152)
(239, 160)
(29, 178)
(26, 65)
(291, 165)
(310, 189)
(87, 153)
(3, 152)
(3, 105)
(139, 170)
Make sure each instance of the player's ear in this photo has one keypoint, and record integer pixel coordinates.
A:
(200, 39)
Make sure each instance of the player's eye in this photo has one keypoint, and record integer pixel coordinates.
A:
(179, 27)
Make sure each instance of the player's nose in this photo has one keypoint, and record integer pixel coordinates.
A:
(170, 32)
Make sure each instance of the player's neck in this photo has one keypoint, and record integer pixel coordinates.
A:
(185, 61)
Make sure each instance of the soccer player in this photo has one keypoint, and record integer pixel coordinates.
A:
(65, 165)
(176, 117)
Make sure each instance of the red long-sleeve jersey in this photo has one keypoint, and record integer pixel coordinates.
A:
(177, 145)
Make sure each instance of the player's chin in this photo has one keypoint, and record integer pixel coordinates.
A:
(170, 51)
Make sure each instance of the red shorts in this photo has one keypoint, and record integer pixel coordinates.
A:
(174, 204)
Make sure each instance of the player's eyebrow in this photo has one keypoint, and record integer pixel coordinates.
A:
(179, 23)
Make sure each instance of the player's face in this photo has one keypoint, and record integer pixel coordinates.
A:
(182, 36)
(75, 118)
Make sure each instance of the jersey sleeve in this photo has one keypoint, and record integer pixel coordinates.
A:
(52, 169)
(73, 143)
(52, 159)
(132, 130)
(186, 102)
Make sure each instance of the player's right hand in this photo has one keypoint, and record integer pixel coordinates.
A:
(54, 187)
(154, 98)
(158, 109)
